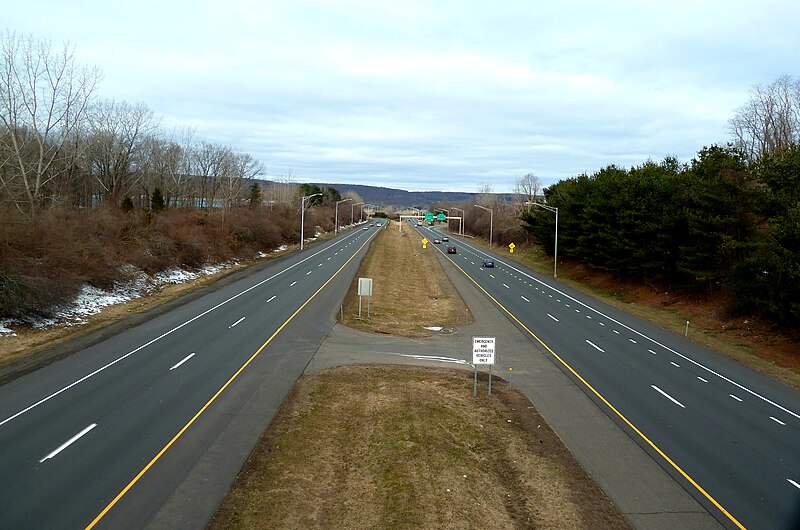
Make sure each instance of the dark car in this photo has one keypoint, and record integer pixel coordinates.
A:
(445, 239)
(452, 250)
(488, 263)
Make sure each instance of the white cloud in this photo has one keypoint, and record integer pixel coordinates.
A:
(427, 94)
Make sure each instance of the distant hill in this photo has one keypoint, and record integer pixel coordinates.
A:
(402, 198)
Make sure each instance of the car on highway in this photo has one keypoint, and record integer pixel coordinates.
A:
(445, 238)
(437, 241)
(452, 250)
(365, 228)
(488, 263)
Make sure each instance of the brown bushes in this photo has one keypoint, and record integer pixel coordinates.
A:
(45, 263)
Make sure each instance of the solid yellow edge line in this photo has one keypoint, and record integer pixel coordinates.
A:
(215, 396)
(604, 400)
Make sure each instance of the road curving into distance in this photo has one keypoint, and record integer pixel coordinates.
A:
(729, 435)
(108, 435)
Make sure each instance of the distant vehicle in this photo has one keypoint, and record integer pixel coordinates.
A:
(445, 238)
(365, 228)
(452, 250)
(437, 241)
(488, 263)
(378, 224)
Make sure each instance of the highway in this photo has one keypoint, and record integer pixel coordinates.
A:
(108, 435)
(729, 435)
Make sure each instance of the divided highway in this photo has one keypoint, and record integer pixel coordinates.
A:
(78, 436)
(729, 435)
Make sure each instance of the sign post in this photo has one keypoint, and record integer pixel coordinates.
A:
(511, 247)
(483, 352)
(364, 289)
(424, 242)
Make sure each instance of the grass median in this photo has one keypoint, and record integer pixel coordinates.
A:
(407, 447)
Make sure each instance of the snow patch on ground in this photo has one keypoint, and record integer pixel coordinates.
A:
(92, 300)
(434, 328)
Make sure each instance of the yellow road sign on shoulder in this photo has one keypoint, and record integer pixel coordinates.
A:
(424, 241)
(511, 247)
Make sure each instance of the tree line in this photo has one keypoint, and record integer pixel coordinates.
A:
(61, 146)
(721, 223)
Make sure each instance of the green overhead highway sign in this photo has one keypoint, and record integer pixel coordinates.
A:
(441, 217)
(429, 216)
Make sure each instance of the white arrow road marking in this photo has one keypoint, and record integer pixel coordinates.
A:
(273, 297)
(668, 396)
(182, 361)
(236, 323)
(68, 442)
(595, 346)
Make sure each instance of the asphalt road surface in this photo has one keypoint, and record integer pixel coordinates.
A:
(111, 435)
(729, 435)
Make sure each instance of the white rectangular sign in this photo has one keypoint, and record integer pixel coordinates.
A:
(483, 350)
(365, 287)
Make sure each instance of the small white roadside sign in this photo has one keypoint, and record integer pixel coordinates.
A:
(483, 349)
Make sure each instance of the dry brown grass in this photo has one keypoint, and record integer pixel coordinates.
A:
(391, 447)
(410, 289)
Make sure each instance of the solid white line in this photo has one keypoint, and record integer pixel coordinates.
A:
(273, 297)
(236, 323)
(679, 354)
(524, 298)
(292, 284)
(736, 398)
(69, 442)
(674, 364)
(776, 420)
(183, 361)
(595, 346)
(506, 286)
(668, 396)
(551, 316)
(152, 341)
(703, 380)
(793, 483)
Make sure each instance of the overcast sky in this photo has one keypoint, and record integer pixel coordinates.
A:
(432, 95)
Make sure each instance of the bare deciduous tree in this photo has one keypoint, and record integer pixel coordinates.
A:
(43, 98)
(770, 120)
(526, 189)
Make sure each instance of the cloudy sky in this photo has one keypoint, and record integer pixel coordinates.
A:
(432, 95)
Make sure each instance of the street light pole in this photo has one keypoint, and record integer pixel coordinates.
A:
(491, 222)
(303, 217)
(352, 206)
(336, 223)
(555, 250)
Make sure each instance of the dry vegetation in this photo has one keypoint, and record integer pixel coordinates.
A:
(391, 447)
(46, 261)
(410, 289)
